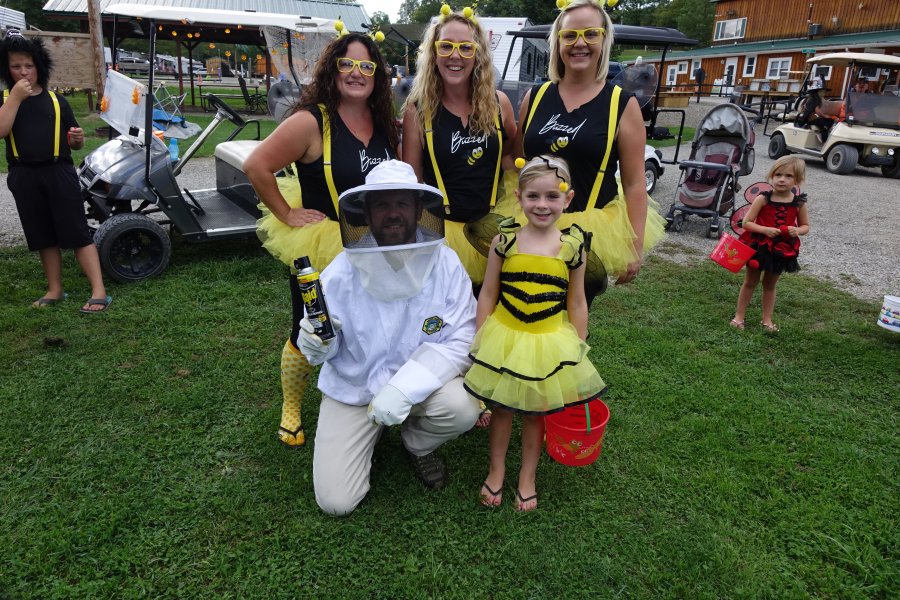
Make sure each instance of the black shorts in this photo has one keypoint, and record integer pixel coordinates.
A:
(48, 198)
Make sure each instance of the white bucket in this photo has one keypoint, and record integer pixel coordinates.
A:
(889, 318)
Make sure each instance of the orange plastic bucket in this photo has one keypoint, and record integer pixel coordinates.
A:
(575, 435)
(731, 253)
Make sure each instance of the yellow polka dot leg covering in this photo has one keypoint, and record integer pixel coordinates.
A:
(295, 373)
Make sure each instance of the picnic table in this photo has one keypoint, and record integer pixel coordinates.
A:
(237, 95)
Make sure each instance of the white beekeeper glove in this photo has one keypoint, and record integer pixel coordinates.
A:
(313, 348)
(389, 407)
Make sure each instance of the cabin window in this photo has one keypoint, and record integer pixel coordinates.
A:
(749, 66)
(682, 67)
(778, 67)
(823, 72)
(695, 64)
(731, 29)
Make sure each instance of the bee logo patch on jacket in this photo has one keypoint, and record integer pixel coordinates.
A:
(432, 325)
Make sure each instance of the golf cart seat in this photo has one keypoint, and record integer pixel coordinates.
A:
(235, 152)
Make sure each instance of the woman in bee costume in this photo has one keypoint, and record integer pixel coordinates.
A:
(457, 130)
(598, 129)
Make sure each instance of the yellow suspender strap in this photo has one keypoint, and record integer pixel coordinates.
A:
(429, 140)
(326, 156)
(537, 99)
(56, 125)
(610, 137)
(499, 158)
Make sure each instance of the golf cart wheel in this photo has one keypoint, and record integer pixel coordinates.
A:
(650, 176)
(892, 171)
(777, 146)
(842, 159)
(678, 222)
(132, 247)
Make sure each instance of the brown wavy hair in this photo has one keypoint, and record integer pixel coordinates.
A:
(323, 91)
(428, 87)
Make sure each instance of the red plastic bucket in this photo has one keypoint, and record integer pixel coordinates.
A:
(731, 253)
(575, 435)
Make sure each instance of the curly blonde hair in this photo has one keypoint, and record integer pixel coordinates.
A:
(556, 70)
(428, 87)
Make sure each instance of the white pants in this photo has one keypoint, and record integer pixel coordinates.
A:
(345, 440)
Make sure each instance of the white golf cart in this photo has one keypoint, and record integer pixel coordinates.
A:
(868, 130)
(130, 184)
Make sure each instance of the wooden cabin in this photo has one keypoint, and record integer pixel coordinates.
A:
(763, 46)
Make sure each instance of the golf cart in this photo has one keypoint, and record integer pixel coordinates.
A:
(130, 184)
(868, 130)
(642, 80)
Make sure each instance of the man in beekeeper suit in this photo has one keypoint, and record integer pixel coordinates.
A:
(403, 310)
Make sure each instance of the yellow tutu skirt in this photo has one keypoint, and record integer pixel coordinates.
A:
(536, 373)
(614, 236)
(321, 241)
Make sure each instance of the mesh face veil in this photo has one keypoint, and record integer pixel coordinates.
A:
(392, 228)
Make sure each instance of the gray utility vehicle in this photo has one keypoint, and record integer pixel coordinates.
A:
(867, 127)
(130, 185)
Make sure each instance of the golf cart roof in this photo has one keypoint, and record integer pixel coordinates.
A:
(624, 34)
(219, 17)
(842, 59)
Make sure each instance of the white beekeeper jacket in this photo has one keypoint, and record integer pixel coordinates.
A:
(416, 344)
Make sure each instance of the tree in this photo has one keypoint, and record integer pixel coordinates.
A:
(380, 18)
(694, 18)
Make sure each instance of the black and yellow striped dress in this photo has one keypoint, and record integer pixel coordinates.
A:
(527, 356)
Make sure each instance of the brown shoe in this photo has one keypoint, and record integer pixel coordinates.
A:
(430, 470)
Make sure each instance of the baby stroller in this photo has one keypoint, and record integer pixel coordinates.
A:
(721, 152)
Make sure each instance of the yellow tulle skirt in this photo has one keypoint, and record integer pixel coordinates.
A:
(321, 241)
(613, 239)
(535, 373)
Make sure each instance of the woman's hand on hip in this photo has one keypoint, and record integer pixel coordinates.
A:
(298, 217)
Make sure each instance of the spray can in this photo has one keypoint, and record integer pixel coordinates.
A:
(313, 298)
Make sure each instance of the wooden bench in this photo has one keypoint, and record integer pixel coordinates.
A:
(239, 95)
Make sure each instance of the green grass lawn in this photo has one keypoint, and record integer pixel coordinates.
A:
(138, 454)
(91, 121)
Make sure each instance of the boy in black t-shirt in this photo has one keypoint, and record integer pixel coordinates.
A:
(40, 131)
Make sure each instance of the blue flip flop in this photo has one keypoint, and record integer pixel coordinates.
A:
(104, 302)
(45, 302)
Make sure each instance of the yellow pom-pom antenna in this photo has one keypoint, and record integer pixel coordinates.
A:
(562, 4)
(339, 26)
(468, 12)
(612, 3)
(520, 162)
(379, 37)
(445, 9)
(563, 187)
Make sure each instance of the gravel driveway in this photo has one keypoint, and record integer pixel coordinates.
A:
(854, 239)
